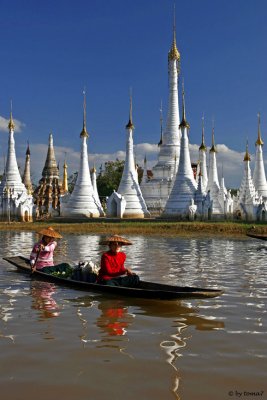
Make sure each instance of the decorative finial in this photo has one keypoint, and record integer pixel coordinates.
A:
(174, 53)
(247, 156)
(259, 141)
(84, 131)
(130, 124)
(184, 123)
(11, 125)
(161, 129)
(213, 148)
(202, 146)
(28, 153)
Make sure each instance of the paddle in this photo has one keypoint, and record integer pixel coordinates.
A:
(35, 262)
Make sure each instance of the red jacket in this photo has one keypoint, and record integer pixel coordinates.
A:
(112, 265)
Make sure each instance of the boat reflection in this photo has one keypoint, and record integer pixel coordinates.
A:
(42, 299)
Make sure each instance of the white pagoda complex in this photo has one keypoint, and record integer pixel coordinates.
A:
(15, 201)
(156, 189)
(128, 202)
(259, 178)
(82, 203)
(181, 200)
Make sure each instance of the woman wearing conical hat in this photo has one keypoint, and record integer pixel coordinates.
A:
(112, 270)
(41, 257)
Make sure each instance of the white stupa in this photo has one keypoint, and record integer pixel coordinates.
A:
(185, 185)
(259, 177)
(156, 190)
(128, 201)
(15, 202)
(82, 203)
(247, 203)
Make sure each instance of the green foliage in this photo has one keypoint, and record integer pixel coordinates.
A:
(109, 179)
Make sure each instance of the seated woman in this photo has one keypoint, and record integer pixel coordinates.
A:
(41, 257)
(112, 270)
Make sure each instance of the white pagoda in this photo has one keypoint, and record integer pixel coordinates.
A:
(15, 201)
(156, 189)
(181, 200)
(248, 204)
(128, 202)
(82, 203)
(259, 177)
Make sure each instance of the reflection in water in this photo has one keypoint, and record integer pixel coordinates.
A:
(117, 316)
(42, 299)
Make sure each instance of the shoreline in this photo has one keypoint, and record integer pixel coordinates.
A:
(141, 227)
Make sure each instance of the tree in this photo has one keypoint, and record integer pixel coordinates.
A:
(109, 179)
(71, 181)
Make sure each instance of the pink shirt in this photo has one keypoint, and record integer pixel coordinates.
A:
(45, 258)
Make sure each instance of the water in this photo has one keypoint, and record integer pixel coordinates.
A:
(57, 342)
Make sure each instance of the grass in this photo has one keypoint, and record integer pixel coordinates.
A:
(141, 227)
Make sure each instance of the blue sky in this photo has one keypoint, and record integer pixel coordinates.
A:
(50, 50)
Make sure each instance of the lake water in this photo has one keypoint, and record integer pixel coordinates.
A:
(60, 343)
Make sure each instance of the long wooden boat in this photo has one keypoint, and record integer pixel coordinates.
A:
(145, 289)
(257, 236)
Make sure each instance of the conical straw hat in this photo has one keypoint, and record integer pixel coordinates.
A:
(50, 232)
(116, 238)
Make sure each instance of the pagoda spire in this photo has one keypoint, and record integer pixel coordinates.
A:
(174, 53)
(203, 158)
(259, 177)
(213, 181)
(84, 132)
(184, 123)
(130, 125)
(161, 124)
(65, 187)
(26, 179)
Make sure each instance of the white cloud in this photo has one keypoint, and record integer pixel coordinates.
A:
(4, 125)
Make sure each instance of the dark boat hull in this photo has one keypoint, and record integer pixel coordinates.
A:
(257, 236)
(147, 290)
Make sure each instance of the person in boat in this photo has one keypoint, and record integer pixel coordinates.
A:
(112, 270)
(41, 257)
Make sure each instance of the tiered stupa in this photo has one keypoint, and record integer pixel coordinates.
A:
(128, 202)
(82, 203)
(15, 202)
(259, 178)
(47, 194)
(247, 203)
(185, 185)
(156, 190)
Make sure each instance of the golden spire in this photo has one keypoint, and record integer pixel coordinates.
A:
(259, 140)
(130, 124)
(174, 53)
(84, 131)
(184, 123)
(65, 177)
(247, 156)
(11, 125)
(213, 148)
(202, 146)
(161, 130)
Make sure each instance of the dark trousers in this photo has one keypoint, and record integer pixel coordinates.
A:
(128, 281)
